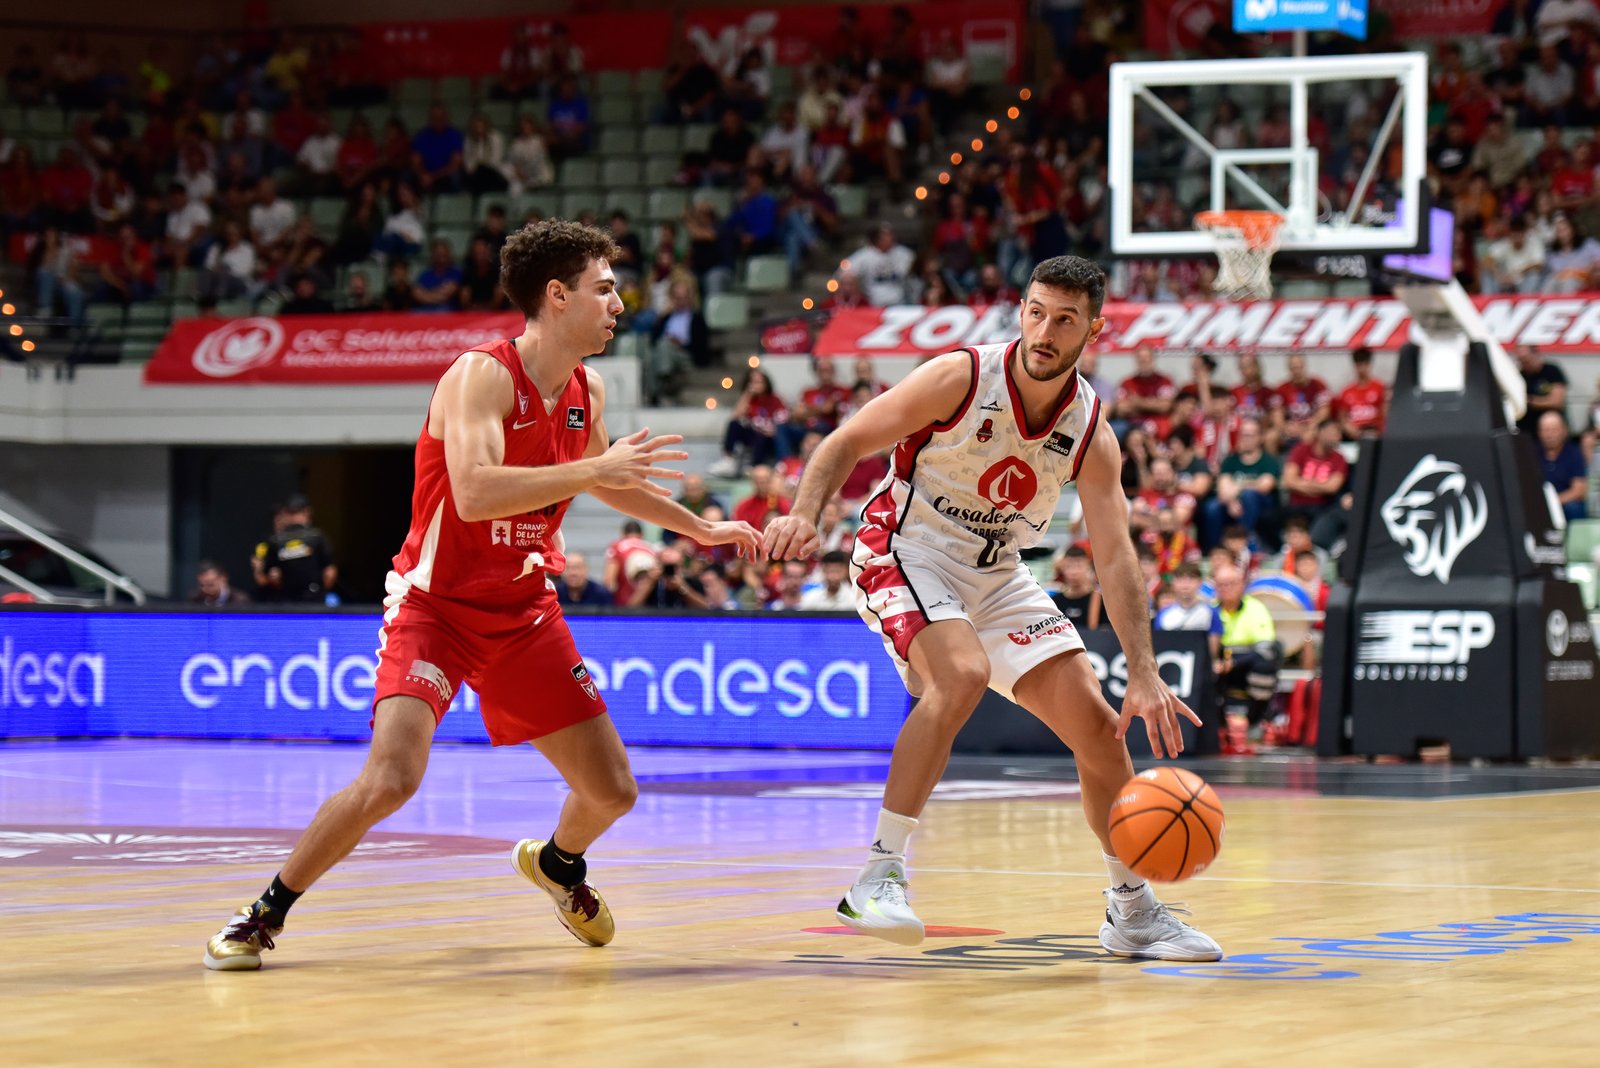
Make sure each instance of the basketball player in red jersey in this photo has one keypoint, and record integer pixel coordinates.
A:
(514, 431)
(984, 440)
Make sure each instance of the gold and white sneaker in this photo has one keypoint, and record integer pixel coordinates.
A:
(876, 904)
(580, 909)
(238, 946)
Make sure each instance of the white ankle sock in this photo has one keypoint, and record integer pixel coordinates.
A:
(894, 832)
(1127, 889)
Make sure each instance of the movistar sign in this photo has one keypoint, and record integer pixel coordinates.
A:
(1348, 17)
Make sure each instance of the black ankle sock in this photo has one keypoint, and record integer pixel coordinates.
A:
(278, 898)
(561, 867)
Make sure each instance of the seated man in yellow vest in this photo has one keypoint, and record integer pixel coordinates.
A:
(1251, 655)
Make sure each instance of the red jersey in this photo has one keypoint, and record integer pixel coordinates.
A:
(1150, 385)
(1256, 401)
(620, 550)
(1301, 401)
(825, 403)
(1318, 469)
(496, 563)
(1361, 404)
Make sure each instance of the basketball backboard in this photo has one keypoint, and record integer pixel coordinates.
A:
(1337, 145)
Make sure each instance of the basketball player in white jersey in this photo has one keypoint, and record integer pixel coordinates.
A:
(984, 440)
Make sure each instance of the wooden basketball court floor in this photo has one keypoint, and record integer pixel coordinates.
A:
(1371, 915)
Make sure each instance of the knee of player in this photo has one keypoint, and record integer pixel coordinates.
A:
(388, 788)
(963, 679)
(619, 796)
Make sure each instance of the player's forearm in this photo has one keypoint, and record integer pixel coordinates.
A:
(651, 508)
(1128, 605)
(824, 476)
(488, 492)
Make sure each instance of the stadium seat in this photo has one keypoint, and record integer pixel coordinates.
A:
(697, 138)
(234, 309)
(546, 202)
(1584, 576)
(184, 309)
(579, 174)
(1583, 537)
(648, 83)
(628, 201)
(326, 213)
(721, 200)
(850, 199)
(105, 316)
(618, 141)
(613, 83)
(727, 311)
(621, 172)
(458, 238)
(49, 121)
(766, 274)
(1302, 288)
(628, 344)
(662, 141)
(502, 115)
(148, 313)
(660, 170)
(451, 209)
(458, 92)
(412, 91)
(579, 200)
(615, 111)
(138, 350)
(665, 205)
(988, 67)
(1352, 287)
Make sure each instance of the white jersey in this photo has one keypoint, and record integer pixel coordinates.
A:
(978, 487)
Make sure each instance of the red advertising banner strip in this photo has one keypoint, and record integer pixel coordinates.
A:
(791, 36)
(322, 349)
(1173, 26)
(631, 40)
(1554, 323)
(1438, 18)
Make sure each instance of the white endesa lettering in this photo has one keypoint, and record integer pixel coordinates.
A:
(1115, 675)
(78, 680)
(699, 687)
(205, 678)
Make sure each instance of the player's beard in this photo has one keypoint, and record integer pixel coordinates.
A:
(1068, 364)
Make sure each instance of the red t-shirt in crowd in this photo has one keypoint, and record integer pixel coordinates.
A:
(619, 551)
(1150, 385)
(1298, 401)
(1318, 469)
(1256, 401)
(754, 509)
(1361, 404)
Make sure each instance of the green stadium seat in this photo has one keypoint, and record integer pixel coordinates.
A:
(138, 350)
(660, 170)
(766, 274)
(547, 202)
(615, 111)
(457, 237)
(104, 317)
(45, 120)
(578, 174)
(326, 214)
(697, 138)
(782, 82)
(613, 83)
(664, 205)
(721, 200)
(577, 201)
(628, 201)
(233, 309)
(1352, 287)
(1583, 537)
(628, 344)
(184, 309)
(412, 91)
(146, 313)
(1302, 289)
(851, 200)
(451, 209)
(662, 141)
(988, 67)
(621, 172)
(648, 83)
(727, 311)
(183, 283)
(458, 91)
(618, 141)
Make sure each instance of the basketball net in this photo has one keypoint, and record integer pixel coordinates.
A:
(1245, 243)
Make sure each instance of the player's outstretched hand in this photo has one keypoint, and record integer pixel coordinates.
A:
(791, 537)
(1151, 700)
(630, 462)
(746, 538)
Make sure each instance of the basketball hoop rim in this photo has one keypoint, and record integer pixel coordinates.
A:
(1258, 230)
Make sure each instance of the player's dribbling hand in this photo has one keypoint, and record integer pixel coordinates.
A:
(1150, 699)
(630, 462)
(746, 538)
(791, 537)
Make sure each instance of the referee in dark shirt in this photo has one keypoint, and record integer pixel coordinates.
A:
(299, 561)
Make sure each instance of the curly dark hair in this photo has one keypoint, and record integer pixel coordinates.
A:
(1074, 274)
(552, 248)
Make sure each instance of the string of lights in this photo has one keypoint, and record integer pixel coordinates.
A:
(8, 310)
(957, 160)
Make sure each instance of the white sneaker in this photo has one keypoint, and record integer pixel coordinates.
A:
(876, 904)
(1156, 933)
(727, 467)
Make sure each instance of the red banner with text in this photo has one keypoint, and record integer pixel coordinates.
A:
(323, 349)
(1554, 323)
(1439, 18)
(631, 40)
(1180, 26)
(791, 36)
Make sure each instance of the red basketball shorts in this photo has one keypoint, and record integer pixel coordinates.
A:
(525, 668)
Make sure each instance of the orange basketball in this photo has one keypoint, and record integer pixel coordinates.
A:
(1166, 824)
